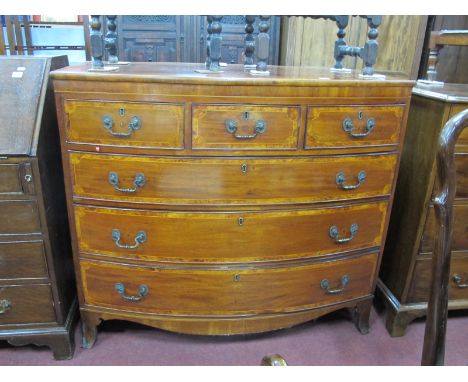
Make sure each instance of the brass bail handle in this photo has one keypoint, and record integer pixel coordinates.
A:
(325, 284)
(138, 181)
(133, 125)
(231, 128)
(143, 290)
(341, 180)
(140, 238)
(348, 126)
(334, 234)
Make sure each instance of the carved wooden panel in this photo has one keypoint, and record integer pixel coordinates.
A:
(171, 38)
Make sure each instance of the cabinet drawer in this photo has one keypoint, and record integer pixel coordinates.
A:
(16, 179)
(19, 217)
(23, 304)
(458, 278)
(125, 124)
(460, 229)
(226, 292)
(245, 127)
(353, 126)
(230, 181)
(228, 237)
(24, 260)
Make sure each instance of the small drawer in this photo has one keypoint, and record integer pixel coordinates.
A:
(149, 125)
(353, 126)
(226, 292)
(25, 260)
(458, 278)
(460, 229)
(251, 236)
(19, 217)
(245, 127)
(24, 304)
(16, 179)
(231, 181)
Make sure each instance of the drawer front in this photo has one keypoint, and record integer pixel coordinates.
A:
(245, 127)
(458, 278)
(230, 181)
(125, 124)
(226, 292)
(25, 304)
(19, 217)
(353, 126)
(23, 260)
(16, 179)
(460, 230)
(228, 237)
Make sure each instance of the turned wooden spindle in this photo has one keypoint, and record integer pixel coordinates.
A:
(371, 47)
(215, 44)
(340, 43)
(95, 37)
(110, 42)
(263, 43)
(249, 41)
(209, 20)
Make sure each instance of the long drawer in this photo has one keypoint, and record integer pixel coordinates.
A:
(24, 260)
(353, 126)
(26, 304)
(228, 237)
(136, 124)
(458, 278)
(225, 292)
(230, 181)
(460, 229)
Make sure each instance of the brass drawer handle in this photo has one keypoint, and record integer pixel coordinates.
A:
(334, 234)
(143, 290)
(139, 239)
(138, 181)
(231, 127)
(133, 125)
(348, 126)
(4, 306)
(341, 180)
(457, 279)
(325, 284)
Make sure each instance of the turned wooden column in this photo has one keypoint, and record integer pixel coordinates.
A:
(213, 40)
(371, 47)
(97, 47)
(249, 41)
(110, 42)
(263, 43)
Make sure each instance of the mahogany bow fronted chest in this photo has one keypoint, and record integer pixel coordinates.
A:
(227, 203)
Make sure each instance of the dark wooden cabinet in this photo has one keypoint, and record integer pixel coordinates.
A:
(405, 273)
(37, 293)
(171, 38)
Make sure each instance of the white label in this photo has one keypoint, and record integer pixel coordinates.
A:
(21, 68)
(17, 75)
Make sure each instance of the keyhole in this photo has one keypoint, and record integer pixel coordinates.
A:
(245, 115)
(359, 114)
(241, 220)
(121, 111)
(237, 277)
(243, 168)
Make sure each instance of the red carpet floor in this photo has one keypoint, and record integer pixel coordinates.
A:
(330, 340)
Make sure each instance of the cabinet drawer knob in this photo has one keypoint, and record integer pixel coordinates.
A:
(4, 306)
(341, 180)
(133, 125)
(231, 127)
(138, 181)
(457, 279)
(139, 239)
(143, 290)
(325, 284)
(348, 126)
(334, 233)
